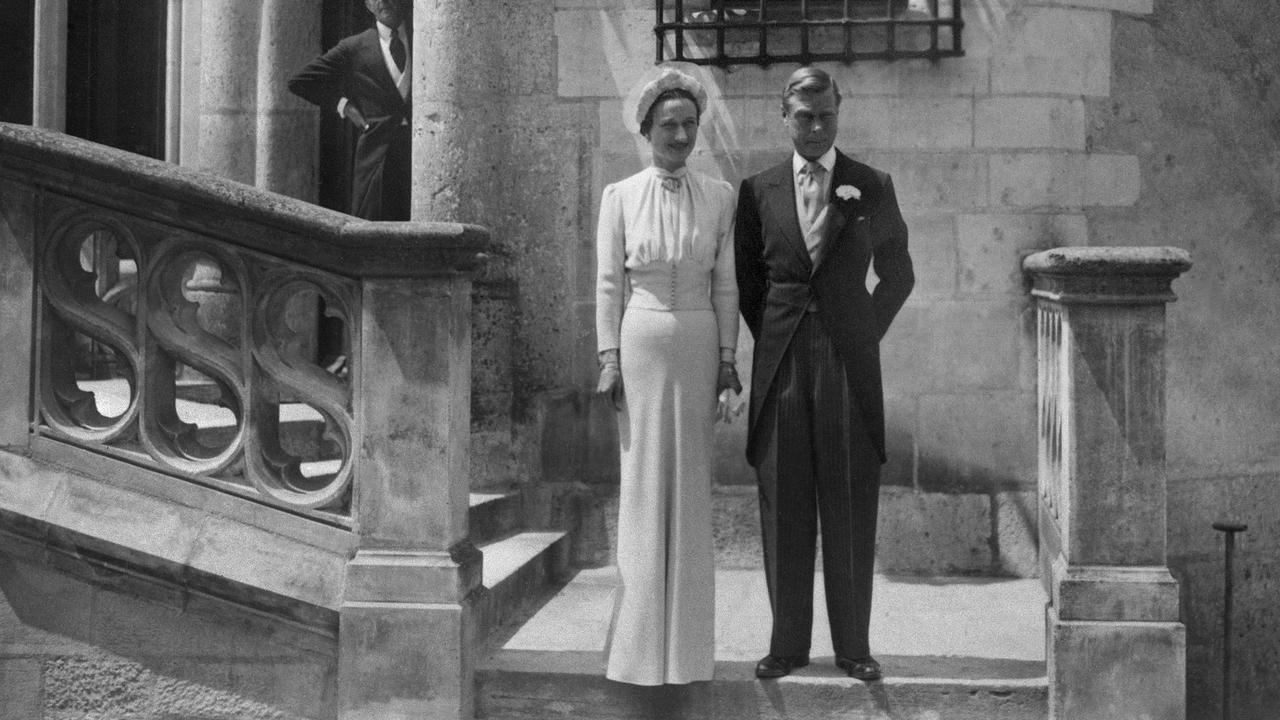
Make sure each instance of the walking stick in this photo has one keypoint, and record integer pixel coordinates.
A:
(1230, 528)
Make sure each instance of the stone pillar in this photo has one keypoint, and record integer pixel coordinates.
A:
(49, 80)
(407, 629)
(460, 123)
(462, 136)
(287, 125)
(228, 88)
(1115, 646)
(173, 82)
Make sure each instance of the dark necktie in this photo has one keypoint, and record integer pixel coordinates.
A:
(397, 50)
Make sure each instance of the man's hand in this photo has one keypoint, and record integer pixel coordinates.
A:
(610, 383)
(356, 117)
(727, 378)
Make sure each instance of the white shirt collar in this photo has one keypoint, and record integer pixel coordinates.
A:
(827, 161)
(384, 32)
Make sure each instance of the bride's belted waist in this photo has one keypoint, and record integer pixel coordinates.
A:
(670, 300)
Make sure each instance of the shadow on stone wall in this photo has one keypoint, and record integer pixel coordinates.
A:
(78, 639)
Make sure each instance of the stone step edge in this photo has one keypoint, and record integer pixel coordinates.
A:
(506, 557)
(494, 515)
(585, 666)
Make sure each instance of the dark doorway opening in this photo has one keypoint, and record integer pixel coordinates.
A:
(116, 73)
(17, 47)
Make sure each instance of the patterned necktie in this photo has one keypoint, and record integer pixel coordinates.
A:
(397, 50)
(811, 189)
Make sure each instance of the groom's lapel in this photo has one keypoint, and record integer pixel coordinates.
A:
(780, 197)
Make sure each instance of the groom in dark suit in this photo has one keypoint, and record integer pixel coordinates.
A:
(806, 232)
(366, 79)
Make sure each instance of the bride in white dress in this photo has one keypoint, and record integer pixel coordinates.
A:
(667, 323)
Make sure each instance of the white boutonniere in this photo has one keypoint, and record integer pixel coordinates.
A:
(848, 192)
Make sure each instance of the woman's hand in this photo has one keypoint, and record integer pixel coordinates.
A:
(610, 383)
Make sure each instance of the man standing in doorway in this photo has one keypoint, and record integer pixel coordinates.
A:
(366, 78)
(806, 232)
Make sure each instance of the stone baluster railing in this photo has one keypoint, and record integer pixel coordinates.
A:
(164, 274)
(1115, 646)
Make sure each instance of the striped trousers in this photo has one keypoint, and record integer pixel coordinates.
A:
(818, 468)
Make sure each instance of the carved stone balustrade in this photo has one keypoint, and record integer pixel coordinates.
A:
(1116, 648)
(163, 319)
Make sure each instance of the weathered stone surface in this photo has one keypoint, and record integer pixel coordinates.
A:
(909, 123)
(991, 248)
(933, 533)
(17, 262)
(1029, 122)
(933, 236)
(1109, 670)
(1053, 50)
(952, 347)
(1015, 537)
(22, 681)
(72, 647)
(1116, 593)
(963, 443)
(1094, 261)
(935, 182)
(1112, 180)
(1045, 181)
(404, 661)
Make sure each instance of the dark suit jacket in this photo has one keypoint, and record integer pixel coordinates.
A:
(777, 279)
(355, 69)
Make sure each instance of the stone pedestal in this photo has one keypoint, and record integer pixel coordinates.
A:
(407, 622)
(1116, 648)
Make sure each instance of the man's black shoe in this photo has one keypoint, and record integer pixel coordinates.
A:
(775, 666)
(861, 669)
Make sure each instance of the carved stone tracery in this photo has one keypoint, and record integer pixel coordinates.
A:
(213, 358)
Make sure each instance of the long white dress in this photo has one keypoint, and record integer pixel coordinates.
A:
(667, 298)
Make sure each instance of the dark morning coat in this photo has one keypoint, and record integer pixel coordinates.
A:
(355, 69)
(777, 279)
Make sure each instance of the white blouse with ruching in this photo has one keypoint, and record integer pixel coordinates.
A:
(664, 249)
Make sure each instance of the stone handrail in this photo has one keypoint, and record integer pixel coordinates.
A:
(177, 273)
(169, 274)
(1101, 347)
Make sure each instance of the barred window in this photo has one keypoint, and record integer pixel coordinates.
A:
(761, 32)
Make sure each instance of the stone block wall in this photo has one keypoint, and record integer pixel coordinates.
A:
(991, 158)
(1193, 103)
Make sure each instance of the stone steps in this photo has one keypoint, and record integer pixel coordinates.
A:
(521, 568)
(954, 648)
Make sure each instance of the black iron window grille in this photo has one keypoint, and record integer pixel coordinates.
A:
(762, 32)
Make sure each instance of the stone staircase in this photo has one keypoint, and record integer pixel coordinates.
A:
(952, 648)
(521, 567)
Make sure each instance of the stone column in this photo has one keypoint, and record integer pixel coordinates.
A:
(287, 125)
(49, 79)
(1115, 646)
(460, 127)
(228, 88)
(407, 628)
(462, 137)
(173, 82)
